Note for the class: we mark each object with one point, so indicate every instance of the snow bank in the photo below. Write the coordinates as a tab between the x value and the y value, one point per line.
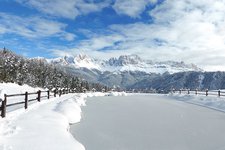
212	102
70	109
80	100
91	94
2	95
43	125
12	88
117	94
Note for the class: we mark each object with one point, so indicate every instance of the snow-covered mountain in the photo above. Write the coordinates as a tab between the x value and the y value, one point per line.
128	72
79	61
124	63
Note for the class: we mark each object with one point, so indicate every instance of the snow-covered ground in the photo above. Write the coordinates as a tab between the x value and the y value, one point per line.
172	122
149	122
38	128
12	88
213	102
44	125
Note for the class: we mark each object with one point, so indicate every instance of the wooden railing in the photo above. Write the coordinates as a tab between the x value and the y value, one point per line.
206	92
39	96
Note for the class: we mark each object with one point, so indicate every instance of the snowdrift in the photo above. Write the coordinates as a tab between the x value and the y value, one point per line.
117	94
12	88
213	102
46	122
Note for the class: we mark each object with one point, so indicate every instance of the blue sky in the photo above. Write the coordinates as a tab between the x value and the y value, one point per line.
73	26
184	30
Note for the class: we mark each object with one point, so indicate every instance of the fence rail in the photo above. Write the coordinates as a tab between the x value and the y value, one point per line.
40	95
206	92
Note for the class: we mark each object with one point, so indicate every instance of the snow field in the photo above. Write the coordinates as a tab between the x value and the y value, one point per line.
12	88
213	102
43	125
149	122
2	94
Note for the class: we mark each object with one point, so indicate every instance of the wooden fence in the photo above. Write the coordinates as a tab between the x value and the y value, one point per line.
206	92
39	96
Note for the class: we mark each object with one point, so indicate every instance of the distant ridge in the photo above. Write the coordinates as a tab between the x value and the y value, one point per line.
124	63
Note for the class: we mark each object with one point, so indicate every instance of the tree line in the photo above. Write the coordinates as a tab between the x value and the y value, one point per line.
37	72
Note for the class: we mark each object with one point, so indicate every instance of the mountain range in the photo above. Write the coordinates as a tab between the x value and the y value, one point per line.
126	72
123	63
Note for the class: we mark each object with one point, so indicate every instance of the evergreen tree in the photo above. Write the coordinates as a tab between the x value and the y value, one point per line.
38	73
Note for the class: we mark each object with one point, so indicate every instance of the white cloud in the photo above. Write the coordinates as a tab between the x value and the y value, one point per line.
72	8
184	30
60	8
86	8
100	42
198	27
60	53
33	27
69	36
64	8
132	8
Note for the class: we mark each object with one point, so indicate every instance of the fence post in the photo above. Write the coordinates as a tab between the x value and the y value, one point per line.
48	92
26	100
3	113
206	92
39	96
219	93
180	91
173	90
196	91
60	93
188	91
55	93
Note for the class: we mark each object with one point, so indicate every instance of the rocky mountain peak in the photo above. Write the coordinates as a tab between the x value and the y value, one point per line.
130	59
125	63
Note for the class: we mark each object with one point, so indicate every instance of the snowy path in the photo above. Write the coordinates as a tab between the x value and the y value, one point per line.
149	123
41	127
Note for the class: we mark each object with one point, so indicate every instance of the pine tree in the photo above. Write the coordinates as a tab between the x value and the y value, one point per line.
38	73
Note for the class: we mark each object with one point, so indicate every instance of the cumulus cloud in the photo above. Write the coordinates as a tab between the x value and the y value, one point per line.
197	26
72	8
33	27
184	30
68	36
53	7
132	8
65	8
